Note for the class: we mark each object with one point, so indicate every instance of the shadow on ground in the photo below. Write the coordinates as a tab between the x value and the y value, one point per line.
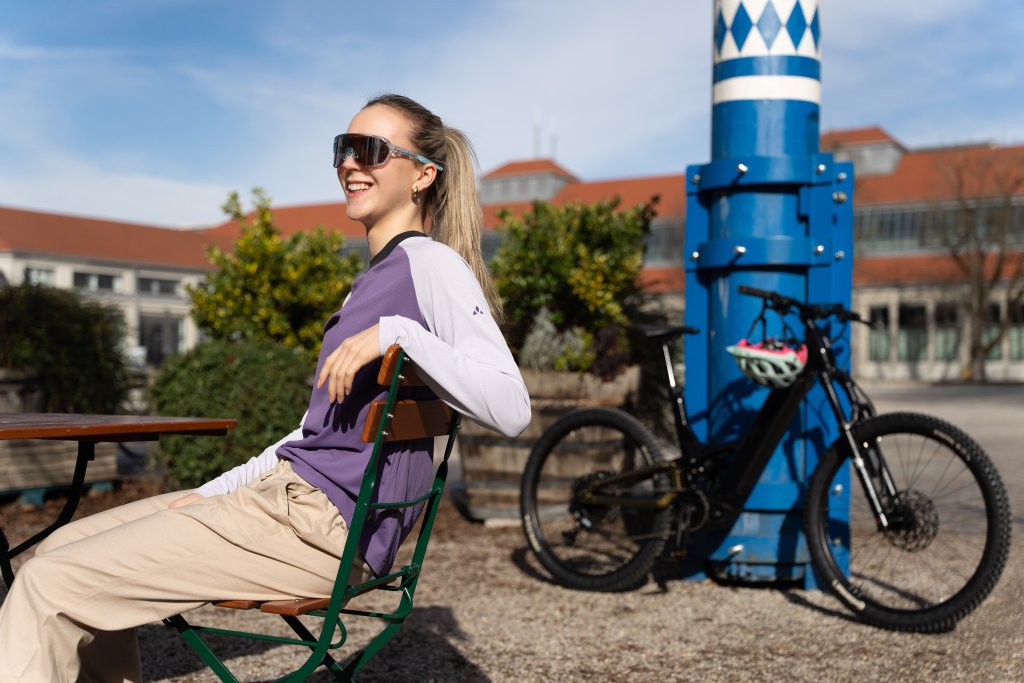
424	644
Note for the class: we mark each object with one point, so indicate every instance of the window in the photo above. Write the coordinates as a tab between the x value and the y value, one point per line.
878	336
991	331
161	336
1016	332
489	243
664	245
912	337
156	287
39	276
96	282
947	332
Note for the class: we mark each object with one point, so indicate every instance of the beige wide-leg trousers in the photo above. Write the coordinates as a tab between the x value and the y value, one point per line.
72	609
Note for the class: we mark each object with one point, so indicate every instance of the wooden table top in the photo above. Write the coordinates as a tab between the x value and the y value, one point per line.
74	427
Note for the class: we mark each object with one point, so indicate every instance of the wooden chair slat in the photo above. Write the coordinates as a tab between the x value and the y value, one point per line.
410	376
410	420
296	607
237	604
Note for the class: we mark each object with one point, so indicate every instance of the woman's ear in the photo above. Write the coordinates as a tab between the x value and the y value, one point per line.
426	177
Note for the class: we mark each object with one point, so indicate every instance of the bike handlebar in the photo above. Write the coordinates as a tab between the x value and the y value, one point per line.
784	304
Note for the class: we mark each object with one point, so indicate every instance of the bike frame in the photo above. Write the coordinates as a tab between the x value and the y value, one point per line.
758	442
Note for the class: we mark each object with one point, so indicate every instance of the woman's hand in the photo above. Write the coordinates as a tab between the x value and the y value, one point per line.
185	500
341	366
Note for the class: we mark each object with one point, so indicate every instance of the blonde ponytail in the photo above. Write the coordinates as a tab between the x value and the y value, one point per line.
451	201
457	219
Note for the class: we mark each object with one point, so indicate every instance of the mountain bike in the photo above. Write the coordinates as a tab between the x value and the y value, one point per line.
906	519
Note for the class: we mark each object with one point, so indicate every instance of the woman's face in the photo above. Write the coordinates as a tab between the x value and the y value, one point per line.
374	194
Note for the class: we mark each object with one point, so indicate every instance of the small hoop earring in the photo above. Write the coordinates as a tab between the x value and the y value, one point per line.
415	192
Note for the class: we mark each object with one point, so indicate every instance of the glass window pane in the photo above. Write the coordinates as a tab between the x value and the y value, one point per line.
878	336
947	332
161	336
912	334
1016	332
39	276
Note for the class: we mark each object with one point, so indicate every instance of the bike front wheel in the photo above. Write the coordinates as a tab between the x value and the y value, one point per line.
948	527
588	500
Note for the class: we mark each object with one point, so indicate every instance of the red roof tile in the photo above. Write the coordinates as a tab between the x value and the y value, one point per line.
293	219
670	189
35	232
530	167
907	269
946	174
854	136
662	280
491	220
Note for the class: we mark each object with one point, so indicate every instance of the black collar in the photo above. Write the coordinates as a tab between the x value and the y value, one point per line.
390	246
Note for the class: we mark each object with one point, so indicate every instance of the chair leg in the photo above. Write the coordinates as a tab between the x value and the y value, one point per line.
201	648
327	661
360	658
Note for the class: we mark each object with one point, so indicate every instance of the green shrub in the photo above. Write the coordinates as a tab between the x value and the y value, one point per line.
262	384
545	348
270	287
579	264
73	344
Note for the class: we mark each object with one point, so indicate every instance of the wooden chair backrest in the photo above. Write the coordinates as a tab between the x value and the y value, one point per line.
408	419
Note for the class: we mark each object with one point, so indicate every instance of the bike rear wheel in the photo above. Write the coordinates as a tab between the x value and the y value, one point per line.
949	534
588	545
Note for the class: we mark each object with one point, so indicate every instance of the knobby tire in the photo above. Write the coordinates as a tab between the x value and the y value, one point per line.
950	537
594	547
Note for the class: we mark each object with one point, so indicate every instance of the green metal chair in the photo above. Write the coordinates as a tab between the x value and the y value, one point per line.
388	420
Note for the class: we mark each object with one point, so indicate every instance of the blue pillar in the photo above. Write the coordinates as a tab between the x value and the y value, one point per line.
769	211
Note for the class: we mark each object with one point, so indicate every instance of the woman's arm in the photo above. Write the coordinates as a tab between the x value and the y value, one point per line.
463	356
471	377
244	473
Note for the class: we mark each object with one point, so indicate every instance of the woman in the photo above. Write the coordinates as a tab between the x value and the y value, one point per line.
275	526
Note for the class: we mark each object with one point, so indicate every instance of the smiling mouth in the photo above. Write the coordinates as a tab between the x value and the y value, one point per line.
351	188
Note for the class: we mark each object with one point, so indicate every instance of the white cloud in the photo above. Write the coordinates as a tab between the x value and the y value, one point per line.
624	88
609	81
77	188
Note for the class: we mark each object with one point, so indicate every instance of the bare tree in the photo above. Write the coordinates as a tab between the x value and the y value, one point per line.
984	236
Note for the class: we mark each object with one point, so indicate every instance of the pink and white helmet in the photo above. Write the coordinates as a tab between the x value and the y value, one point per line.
770	363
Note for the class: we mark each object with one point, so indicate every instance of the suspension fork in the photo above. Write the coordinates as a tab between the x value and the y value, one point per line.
865	409
859	464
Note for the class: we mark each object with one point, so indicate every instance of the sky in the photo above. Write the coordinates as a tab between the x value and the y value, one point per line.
152	111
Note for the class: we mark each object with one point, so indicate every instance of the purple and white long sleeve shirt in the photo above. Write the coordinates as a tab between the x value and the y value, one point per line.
425	298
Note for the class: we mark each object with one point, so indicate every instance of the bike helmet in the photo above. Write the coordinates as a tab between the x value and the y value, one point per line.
770	363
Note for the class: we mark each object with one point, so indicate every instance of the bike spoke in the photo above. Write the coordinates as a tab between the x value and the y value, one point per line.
937	530
590	501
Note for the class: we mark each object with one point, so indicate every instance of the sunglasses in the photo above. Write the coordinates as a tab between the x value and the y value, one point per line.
371	151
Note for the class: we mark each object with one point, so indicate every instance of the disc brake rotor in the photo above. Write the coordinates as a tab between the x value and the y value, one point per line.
914	524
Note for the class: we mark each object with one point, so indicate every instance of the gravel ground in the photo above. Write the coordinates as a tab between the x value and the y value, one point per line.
486	611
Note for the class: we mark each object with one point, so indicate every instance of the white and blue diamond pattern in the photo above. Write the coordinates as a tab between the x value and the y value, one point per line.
762	28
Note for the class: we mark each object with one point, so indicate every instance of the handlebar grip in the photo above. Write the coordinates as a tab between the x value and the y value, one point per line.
754	291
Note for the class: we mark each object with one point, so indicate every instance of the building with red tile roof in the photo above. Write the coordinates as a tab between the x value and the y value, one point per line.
142	270
902	276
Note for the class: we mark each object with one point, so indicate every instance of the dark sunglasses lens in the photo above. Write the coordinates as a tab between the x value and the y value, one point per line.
367	150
